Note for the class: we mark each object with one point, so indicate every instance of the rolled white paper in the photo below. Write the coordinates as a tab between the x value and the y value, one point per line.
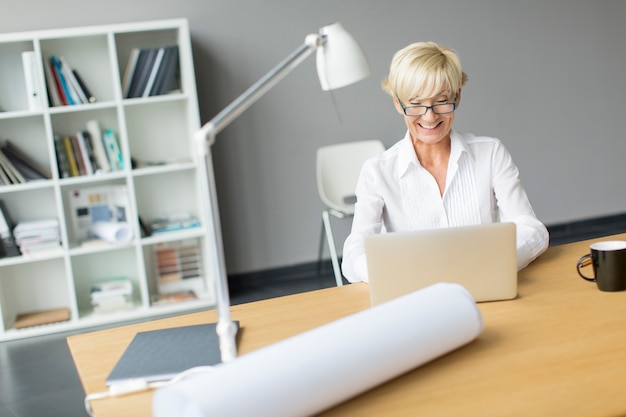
323	367
112	232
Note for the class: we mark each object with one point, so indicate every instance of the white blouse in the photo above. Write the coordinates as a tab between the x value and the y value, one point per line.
482	186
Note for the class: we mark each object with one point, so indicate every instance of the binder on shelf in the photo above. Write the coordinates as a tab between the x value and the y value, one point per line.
7	240
34	89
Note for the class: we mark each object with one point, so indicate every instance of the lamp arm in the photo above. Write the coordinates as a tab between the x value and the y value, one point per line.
205	138
262	86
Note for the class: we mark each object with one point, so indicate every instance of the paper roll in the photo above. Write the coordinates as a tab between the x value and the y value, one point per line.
318	369
112	232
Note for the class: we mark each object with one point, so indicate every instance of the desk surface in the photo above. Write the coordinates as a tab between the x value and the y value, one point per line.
559	349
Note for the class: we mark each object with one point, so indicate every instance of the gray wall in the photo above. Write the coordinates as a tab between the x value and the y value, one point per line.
547	77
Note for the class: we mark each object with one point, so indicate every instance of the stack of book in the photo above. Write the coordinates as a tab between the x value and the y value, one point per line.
151	72
37	236
112	295
17	167
65	85
88	152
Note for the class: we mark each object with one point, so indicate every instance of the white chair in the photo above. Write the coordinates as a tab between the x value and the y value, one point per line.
337	170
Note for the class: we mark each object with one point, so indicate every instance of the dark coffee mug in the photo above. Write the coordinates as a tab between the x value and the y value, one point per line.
609	265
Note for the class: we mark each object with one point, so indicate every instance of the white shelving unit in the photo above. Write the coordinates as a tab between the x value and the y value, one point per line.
157	128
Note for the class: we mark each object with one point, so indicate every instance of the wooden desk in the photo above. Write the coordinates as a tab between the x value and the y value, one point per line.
559	349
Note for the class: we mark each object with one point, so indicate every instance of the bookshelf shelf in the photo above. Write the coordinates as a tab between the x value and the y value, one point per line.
158	171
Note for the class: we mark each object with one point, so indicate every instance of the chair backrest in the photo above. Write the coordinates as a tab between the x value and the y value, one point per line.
338	168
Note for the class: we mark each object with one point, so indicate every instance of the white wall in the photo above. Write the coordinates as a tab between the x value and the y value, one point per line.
547	77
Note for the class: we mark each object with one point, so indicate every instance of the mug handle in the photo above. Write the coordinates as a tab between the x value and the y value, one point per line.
582	262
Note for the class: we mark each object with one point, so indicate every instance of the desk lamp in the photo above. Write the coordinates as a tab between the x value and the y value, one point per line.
340	62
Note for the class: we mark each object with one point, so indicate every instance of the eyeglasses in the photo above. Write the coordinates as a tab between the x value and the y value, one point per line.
443	108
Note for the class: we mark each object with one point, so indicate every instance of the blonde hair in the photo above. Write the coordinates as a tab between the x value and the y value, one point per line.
424	69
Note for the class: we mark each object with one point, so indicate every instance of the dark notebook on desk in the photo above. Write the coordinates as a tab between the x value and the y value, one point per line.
159	355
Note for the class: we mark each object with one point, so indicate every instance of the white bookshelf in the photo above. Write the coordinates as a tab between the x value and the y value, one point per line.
156	128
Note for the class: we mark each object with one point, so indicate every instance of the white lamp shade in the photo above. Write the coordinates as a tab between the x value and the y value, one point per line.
340	61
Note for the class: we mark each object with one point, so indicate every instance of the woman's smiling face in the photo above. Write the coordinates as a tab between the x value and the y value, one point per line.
430	128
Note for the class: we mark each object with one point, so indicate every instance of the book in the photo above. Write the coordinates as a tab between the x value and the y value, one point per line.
161	299
143	70
167	72
51	87
27	172
35	236
51	69
85	153
129	71
4	178
90	152
65	87
114	154
34	89
173	222
7	240
102	160
77	155
62	164
71	159
153	72
11	171
83	87
114	293
77	94
15	153
38	318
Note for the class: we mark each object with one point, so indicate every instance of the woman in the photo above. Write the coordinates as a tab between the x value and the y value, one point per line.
435	176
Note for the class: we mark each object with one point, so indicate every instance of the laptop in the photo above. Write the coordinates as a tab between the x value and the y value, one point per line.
482	258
